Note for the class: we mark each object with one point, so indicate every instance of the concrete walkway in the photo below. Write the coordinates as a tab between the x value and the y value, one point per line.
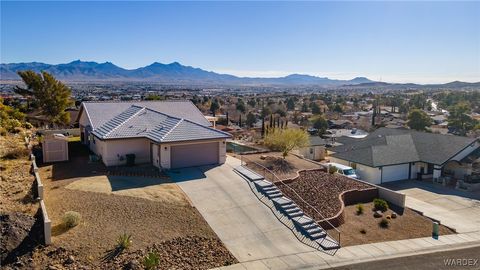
456	209
362	253
247	227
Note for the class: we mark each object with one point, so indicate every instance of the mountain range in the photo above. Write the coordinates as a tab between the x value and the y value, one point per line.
158	72
176	73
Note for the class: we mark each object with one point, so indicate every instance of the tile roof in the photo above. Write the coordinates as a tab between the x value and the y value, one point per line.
396	146
99	112
142	122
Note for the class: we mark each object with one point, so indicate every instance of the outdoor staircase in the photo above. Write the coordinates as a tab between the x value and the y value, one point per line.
305	225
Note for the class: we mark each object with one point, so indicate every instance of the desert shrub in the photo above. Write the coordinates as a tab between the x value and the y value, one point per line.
27	125
124	241
332	169
384	223
71	219
363	231
359	209
3	131
151	261
380	204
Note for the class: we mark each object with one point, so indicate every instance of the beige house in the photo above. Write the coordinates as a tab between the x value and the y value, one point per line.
167	134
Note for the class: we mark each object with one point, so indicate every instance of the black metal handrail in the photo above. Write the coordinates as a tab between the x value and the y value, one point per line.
243	160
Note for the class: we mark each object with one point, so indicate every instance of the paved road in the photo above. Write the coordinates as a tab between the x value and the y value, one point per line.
434	261
246	226
454	208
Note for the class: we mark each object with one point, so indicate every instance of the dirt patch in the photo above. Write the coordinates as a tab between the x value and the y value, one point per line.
283	168
16	182
406	226
321	190
154	189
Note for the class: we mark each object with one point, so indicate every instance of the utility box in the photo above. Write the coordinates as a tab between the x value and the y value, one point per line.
55	148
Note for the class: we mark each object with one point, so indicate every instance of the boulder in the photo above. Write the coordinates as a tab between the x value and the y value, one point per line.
378	214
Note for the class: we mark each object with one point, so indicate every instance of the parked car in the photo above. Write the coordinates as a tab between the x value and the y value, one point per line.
345	170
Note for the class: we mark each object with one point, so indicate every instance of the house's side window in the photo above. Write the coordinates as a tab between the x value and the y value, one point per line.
311	151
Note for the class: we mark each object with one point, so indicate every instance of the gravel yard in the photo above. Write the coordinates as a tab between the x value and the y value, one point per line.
284	168
408	225
157	215
321	190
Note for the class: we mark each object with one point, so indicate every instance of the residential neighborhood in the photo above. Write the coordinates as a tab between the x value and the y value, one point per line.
286	138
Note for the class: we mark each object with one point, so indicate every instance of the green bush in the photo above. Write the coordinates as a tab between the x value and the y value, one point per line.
332	169
124	241
27	125
151	261
384	223
71	219
359	209
380	204
3	131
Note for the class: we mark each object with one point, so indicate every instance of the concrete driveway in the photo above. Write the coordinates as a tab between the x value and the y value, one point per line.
454	208
245	225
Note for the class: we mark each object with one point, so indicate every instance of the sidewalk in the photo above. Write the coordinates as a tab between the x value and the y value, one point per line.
362	253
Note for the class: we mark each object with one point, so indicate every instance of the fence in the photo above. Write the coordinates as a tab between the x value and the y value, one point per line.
39	193
272	177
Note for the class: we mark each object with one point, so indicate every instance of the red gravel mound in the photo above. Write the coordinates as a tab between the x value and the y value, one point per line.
321	190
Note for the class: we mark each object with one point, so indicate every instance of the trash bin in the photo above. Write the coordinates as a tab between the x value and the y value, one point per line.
130	159
435	229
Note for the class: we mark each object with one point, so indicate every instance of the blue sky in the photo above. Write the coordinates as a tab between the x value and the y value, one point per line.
393	41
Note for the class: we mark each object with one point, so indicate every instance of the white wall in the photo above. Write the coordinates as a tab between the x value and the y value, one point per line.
115	148
368	174
316	152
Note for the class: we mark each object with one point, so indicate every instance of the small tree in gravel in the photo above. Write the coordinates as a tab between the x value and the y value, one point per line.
359	209
285	140
151	261
124	241
71	219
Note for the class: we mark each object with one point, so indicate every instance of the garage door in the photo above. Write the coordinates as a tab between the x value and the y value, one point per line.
394	173
191	155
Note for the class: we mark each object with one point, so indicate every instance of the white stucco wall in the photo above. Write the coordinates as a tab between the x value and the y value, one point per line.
368	174
116	148
316	152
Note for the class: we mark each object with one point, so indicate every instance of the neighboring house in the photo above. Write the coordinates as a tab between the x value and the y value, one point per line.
399	154
316	150
167	134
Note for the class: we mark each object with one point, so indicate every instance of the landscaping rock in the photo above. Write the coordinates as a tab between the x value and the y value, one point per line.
321	190
263	157
378	214
394	215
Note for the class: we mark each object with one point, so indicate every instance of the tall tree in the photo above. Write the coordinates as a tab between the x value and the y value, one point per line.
321	124
418	120
285	140
460	119
214	107
251	119
53	96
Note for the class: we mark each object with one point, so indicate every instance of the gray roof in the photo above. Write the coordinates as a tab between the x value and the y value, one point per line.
142	122
99	112
396	146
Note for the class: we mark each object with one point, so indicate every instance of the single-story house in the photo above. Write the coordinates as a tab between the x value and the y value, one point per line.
398	154
167	134
316	149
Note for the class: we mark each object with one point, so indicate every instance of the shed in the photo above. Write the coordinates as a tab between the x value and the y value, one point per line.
55	148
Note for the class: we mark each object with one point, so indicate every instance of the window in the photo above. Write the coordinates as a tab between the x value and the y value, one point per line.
311	151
